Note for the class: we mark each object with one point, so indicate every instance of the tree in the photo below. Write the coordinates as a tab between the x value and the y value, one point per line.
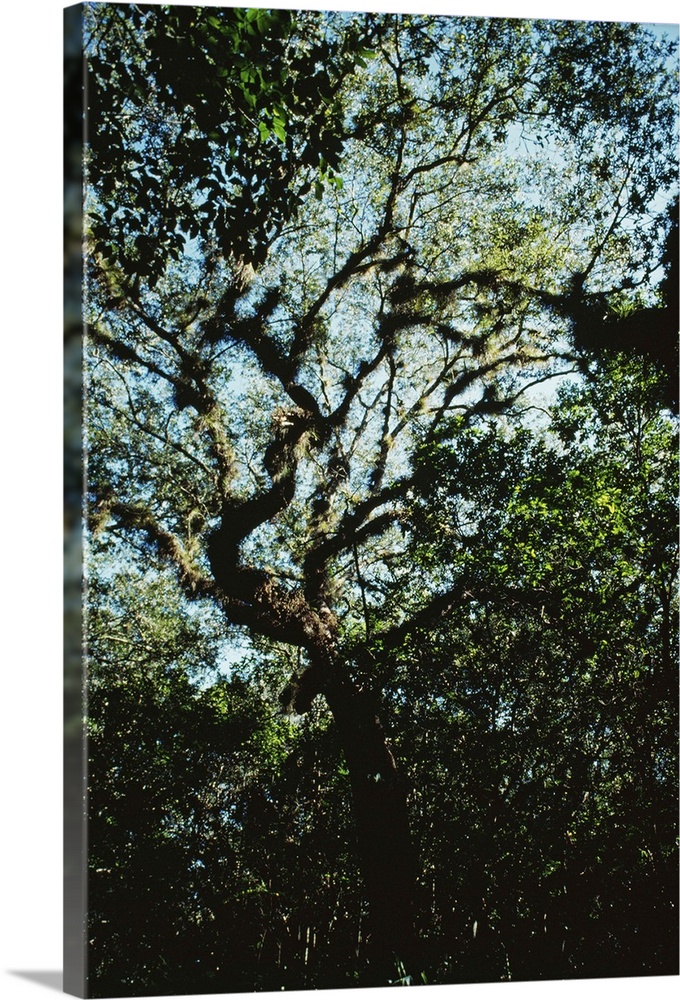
305	259
211	845
623	323
551	694
210	122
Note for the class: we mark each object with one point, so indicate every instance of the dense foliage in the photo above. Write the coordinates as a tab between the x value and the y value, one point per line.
381	499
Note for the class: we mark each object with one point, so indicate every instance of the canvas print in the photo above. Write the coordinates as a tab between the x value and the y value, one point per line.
379	343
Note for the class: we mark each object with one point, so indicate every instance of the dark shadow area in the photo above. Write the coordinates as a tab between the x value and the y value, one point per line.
50	980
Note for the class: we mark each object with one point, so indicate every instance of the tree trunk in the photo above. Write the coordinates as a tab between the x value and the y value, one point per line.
384	839
253	598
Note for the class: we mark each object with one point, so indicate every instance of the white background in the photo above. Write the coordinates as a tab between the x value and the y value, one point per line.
30	490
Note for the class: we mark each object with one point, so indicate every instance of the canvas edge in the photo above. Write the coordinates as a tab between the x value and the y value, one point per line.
74	749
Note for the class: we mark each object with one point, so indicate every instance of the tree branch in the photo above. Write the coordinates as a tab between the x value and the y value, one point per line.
137	518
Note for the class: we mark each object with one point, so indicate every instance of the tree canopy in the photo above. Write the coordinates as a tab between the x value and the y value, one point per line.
380	361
